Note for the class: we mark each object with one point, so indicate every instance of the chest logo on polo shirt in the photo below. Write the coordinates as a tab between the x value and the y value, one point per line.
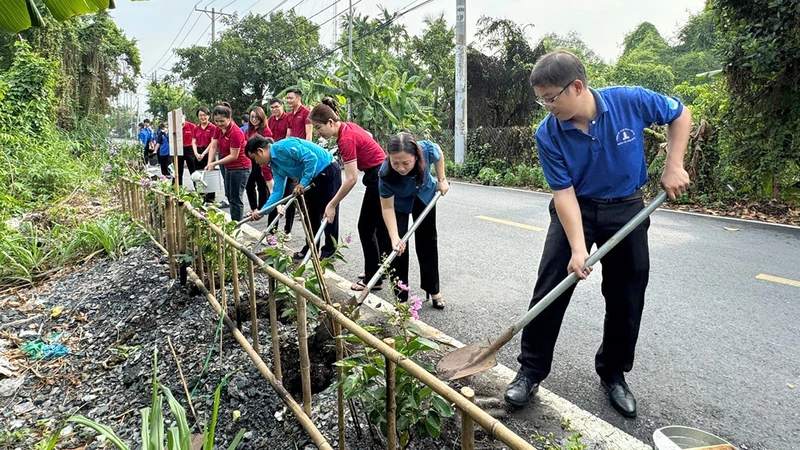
625	136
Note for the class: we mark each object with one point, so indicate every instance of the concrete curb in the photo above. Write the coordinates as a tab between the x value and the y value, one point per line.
591	427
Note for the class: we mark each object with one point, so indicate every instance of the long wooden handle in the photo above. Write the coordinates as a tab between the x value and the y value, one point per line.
715	447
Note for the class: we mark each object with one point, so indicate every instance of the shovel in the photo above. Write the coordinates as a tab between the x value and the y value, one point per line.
481	356
268	208
393	255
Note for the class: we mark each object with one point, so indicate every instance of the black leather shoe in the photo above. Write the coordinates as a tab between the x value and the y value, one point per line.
621	397
520	390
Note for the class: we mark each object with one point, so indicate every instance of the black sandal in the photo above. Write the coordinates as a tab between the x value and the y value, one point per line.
437	303
298	255
360	286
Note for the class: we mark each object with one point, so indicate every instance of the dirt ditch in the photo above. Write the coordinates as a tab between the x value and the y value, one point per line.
110	315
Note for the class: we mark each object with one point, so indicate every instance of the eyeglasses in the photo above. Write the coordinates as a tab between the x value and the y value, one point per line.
543	102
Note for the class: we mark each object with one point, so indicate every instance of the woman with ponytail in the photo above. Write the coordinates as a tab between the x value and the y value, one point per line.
359	152
229	140
406	187
259	183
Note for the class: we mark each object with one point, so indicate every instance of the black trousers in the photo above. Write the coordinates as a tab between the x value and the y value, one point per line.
289	217
426	246
163	161
372	232
326	184
626	271
256	188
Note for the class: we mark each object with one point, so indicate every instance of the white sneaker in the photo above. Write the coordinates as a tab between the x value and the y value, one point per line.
287	237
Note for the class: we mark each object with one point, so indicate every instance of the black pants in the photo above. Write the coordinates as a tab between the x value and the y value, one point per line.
372	233
626	270
289	217
426	246
256	188
201	164
326	184
163	161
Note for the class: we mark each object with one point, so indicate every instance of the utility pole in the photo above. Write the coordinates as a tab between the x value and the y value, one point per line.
213	15
350	56
461	80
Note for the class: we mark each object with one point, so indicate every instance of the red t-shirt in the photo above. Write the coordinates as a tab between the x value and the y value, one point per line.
203	135
266	171
232	138
356	144
298	121
188	131
279	125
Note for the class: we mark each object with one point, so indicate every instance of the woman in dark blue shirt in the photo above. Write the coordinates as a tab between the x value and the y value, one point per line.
406	186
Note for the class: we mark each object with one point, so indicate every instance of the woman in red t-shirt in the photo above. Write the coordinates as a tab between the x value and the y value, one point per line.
229	140
201	139
359	152
259	184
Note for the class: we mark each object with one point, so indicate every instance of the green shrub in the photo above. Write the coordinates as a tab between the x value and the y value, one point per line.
489	176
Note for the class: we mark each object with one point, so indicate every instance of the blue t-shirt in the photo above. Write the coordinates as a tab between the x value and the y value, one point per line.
162	138
608	161
145	136
405	188
295	158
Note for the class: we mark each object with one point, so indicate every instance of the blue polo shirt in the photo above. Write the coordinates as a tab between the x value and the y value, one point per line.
295	158
145	136
608	161
405	188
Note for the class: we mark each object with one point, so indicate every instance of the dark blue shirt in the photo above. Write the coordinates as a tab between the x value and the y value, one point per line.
608	161
145	136
162	138
405	188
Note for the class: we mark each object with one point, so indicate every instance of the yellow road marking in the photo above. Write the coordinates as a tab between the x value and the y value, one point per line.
763	276
513	224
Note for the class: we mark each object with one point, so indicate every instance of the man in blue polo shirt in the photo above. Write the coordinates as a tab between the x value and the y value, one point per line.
591	148
304	160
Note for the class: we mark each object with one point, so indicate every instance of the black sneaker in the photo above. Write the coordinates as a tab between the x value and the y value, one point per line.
519	391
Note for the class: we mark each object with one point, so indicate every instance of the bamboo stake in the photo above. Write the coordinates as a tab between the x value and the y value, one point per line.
253	307
121	188
391	404
183	380
308	425
302	338
306	221
273	329
236	295
199	249
337	331
180	219
467	424
223	298
170	225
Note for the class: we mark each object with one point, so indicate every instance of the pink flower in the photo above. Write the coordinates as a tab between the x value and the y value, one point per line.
348	239
402	286
416	305
107	168
272	240
144	181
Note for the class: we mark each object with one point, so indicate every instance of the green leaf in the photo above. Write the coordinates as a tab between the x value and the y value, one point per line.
100	428
237	439
179	414
432	424
441	406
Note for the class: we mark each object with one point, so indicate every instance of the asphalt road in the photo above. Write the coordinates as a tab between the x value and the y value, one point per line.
719	348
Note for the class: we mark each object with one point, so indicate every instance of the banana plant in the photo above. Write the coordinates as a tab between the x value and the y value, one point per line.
23	14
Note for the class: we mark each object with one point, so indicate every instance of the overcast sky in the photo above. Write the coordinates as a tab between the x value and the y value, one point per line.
601	23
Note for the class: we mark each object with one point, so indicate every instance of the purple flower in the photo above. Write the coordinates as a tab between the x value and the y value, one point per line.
348	239
402	286
107	168
416	305
112	151
163	177
272	240
144	181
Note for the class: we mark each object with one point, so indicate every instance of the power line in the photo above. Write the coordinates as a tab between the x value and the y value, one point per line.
378	28
184	39
170	45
